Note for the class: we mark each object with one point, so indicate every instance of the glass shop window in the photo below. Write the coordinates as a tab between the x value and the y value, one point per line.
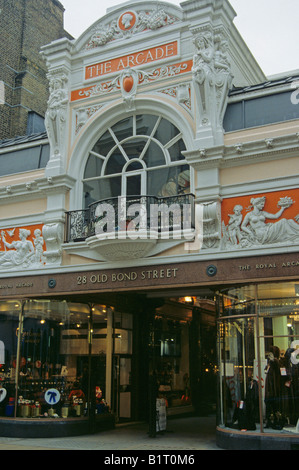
258	339
54	359
238	369
9	325
53	339
279	346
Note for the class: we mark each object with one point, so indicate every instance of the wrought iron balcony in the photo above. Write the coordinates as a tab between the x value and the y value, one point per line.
132	214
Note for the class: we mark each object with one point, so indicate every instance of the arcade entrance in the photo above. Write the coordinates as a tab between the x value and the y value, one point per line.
182	354
163	347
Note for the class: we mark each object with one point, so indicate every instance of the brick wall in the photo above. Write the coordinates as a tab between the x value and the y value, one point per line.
25	26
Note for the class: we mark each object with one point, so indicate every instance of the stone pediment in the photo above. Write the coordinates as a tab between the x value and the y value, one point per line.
126	21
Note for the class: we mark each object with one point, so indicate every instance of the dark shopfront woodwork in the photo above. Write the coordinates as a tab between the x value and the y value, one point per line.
145	278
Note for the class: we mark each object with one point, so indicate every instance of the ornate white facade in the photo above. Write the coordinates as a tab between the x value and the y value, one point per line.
179	64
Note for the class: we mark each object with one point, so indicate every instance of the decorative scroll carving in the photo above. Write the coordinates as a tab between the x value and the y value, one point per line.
141	78
84	114
181	92
253	230
212	79
53	235
130	23
211	225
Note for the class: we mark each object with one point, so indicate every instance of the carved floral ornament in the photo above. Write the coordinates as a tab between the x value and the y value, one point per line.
253	226
127	82
129	23
138	77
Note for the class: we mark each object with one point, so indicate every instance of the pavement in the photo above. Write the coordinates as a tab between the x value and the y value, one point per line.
190	434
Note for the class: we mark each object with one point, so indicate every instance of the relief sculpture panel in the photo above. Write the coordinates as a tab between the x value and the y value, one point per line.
28	247
260	220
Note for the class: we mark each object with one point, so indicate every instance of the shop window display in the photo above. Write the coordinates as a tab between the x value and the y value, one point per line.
258	333
9	324
46	359
170	361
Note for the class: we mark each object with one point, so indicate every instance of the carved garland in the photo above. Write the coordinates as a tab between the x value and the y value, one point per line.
136	23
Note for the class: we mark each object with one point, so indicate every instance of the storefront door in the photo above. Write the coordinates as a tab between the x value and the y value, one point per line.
121	386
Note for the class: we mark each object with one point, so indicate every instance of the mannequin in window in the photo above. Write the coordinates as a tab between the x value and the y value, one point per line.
252	403
272	387
287	387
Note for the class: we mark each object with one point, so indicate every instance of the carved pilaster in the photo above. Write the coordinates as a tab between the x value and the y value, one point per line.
56	120
212	80
53	236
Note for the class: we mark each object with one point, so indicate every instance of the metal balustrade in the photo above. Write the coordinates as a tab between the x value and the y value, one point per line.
161	214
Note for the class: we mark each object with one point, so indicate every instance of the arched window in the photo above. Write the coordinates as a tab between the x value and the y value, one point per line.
139	155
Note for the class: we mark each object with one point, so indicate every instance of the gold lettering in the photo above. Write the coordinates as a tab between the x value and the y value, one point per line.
100	278
265	266
24	284
288	264
120	277
244	268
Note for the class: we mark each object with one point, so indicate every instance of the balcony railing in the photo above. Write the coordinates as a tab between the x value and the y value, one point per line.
132	213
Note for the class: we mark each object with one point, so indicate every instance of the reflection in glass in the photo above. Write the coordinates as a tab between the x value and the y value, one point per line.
259	357
123	128
238	365
145	124
166	132
9	329
48	359
151	139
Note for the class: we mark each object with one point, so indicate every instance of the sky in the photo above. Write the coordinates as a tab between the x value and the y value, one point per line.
269	27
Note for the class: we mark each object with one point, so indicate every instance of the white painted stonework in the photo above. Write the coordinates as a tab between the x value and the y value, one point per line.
177	63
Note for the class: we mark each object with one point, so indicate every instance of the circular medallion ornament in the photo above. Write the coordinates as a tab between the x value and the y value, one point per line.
211	270
52	283
127	21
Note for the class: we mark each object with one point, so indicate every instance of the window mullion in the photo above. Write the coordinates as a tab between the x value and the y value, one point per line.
144	149
119	145
173	141
97	155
